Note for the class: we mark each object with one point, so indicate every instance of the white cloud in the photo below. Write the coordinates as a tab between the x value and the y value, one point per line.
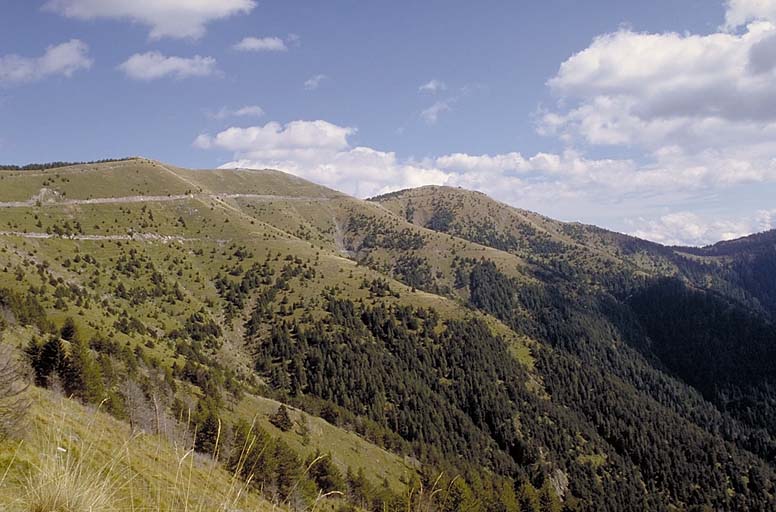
261	44
432	113
433	86
558	184
314	82
320	151
153	65
296	135
741	12
62	59
650	90
510	162
688	228
697	111
246	111
166	18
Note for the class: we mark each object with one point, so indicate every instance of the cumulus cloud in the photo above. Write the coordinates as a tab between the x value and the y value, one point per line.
314	82
688	228
321	151
296	135
166	18
741	12
154	65
433	86
62	59
261	44
559	184
650	90
697	111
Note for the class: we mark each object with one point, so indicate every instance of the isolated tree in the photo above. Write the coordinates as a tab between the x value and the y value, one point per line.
288	469
325	473
69	330
281	419
14	402
360	491
208	425
136	406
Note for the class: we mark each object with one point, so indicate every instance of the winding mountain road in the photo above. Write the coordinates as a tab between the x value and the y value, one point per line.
154	199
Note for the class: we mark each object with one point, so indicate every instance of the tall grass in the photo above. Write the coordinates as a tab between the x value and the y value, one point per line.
80	463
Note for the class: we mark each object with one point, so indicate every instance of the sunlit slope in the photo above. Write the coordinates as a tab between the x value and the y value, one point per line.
435	329
99	454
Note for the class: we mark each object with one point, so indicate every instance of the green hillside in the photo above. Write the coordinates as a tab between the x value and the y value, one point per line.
433	349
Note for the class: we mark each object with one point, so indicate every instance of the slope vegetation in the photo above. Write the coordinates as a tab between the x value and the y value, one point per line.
428	339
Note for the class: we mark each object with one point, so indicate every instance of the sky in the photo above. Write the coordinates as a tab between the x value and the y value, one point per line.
655	118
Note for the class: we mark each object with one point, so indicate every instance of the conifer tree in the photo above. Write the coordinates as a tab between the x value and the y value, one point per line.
208	427
507	499
69	331
281	419
46	359
528	498
83	377
548	500
459	497
324	473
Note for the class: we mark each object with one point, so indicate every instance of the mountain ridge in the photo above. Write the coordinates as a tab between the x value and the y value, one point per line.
450	329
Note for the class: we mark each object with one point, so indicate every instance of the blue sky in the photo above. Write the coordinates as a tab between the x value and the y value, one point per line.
653	118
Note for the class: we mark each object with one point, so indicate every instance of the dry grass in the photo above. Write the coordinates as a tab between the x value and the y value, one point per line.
63	483
79	460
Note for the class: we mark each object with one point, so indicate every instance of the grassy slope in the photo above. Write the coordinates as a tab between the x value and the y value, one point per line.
203	230
285	217
582	253
528	233
144	473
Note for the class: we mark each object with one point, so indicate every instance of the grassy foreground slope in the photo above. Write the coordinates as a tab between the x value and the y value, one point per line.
91	459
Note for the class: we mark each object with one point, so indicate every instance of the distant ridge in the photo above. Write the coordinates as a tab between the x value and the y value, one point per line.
57	164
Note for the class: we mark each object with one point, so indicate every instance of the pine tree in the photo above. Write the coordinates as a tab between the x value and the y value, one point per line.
281	419
83	377
46	359
507	499
360	491
548	499
289	469
528	498
324	473
459	498
69	330
208	427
